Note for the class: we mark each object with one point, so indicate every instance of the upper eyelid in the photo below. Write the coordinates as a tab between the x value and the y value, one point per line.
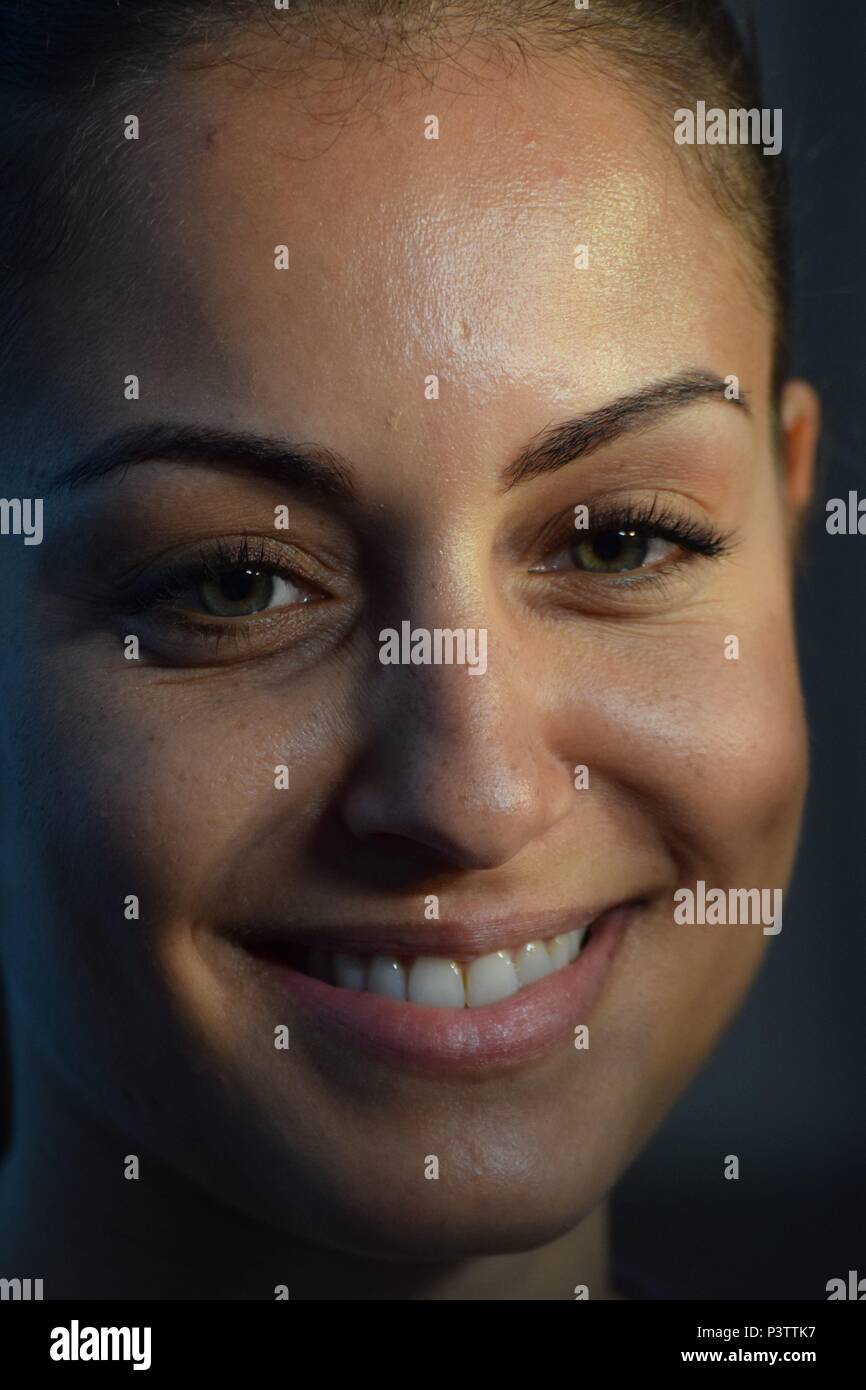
561	525
274	551
220	551
171	580
664	523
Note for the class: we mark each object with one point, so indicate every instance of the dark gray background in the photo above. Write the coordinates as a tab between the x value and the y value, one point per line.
785	1090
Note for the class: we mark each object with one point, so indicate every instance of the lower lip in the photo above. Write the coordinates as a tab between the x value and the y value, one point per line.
525	1026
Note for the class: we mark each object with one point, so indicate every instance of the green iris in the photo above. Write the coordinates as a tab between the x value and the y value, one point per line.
237	593
607	552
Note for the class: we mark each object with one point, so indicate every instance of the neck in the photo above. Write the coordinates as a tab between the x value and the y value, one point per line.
69	1217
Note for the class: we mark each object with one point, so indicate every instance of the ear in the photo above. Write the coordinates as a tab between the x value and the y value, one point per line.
801	422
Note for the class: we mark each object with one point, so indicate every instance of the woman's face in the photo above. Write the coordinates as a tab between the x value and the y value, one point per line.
411	261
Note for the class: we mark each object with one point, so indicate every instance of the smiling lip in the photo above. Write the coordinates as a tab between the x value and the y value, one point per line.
443	1040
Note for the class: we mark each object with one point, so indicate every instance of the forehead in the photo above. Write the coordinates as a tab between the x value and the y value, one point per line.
410	255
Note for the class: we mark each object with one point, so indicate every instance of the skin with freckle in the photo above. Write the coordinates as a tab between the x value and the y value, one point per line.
408	257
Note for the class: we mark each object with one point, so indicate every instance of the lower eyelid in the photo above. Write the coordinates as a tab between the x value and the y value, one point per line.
184	630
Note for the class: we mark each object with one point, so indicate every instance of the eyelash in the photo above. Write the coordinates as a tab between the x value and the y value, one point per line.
210	563
651	520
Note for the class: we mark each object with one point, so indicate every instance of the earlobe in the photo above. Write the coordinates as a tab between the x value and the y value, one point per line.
801	421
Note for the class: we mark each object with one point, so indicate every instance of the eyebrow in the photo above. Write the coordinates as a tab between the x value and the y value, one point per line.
323	473
562	444
317	470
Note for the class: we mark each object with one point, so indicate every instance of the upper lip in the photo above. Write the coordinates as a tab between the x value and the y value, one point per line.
456	937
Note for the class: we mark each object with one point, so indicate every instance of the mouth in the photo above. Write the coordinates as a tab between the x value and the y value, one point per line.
433	981
503	994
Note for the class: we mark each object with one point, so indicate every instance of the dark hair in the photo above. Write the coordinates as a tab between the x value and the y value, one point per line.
65	66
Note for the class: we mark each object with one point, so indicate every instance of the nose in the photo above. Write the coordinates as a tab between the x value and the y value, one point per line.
456	764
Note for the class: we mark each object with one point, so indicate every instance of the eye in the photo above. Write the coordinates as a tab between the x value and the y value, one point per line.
615	551
631	538
228	580
238	599
242	592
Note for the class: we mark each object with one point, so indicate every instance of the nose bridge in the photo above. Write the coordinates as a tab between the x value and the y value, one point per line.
438	660
455	713
456	757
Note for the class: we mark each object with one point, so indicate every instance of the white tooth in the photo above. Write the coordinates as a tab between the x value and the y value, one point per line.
558	951
575	941
319	965
350	971
436	982
532	963
387	977
490	978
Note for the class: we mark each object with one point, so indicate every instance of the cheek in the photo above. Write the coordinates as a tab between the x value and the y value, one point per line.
721	758
163	790
695	731
130	786
697	754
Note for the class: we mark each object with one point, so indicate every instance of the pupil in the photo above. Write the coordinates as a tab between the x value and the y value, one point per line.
609	545
237	585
